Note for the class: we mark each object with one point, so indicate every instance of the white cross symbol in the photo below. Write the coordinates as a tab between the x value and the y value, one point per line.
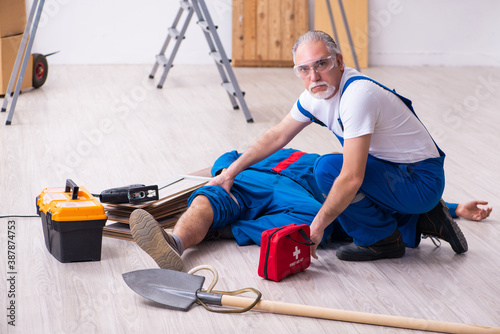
296	253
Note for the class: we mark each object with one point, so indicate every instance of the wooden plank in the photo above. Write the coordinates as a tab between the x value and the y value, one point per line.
301	18
270	28
250	33
277	23
238	31
288	29
262	33
357	17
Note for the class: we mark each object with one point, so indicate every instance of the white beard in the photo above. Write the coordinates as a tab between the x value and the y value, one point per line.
323	94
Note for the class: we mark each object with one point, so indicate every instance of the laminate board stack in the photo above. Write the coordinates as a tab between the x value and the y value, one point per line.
167	209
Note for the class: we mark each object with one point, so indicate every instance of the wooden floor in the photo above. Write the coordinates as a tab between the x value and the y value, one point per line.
108	126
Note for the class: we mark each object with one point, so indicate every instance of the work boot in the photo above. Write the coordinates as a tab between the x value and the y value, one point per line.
388	248
438	223
153	239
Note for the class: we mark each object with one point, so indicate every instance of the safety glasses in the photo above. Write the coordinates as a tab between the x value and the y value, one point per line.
321	65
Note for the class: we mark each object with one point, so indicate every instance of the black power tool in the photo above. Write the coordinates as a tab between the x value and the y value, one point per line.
134	193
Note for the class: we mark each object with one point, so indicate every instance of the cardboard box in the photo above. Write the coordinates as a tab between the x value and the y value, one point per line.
12	17
72	224
8	53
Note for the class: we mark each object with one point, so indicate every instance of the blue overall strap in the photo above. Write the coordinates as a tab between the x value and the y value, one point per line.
406	101
308	114
317	121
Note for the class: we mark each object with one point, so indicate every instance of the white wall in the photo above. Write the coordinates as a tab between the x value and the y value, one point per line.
434	32
122	31
401	32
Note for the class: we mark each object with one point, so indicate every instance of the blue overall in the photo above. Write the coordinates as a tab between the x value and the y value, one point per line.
395	194
277	191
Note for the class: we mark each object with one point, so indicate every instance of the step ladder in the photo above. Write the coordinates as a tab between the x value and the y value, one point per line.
229	82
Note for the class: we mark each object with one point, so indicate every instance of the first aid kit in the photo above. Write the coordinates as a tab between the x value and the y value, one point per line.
284	251
72	221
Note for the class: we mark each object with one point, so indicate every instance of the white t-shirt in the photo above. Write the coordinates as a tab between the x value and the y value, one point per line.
366	108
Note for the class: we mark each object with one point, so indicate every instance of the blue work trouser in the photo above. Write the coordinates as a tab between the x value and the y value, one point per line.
394	197
265	201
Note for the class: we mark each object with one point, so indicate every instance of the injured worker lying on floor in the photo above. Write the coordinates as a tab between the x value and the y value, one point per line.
277	191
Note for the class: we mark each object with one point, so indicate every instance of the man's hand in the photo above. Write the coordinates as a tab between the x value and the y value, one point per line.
316	235
222	180
471	210
344	188
316	239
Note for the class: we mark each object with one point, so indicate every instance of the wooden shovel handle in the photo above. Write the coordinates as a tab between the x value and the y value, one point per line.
357	317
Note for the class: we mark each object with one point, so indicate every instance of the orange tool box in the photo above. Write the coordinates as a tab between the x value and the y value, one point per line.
72	222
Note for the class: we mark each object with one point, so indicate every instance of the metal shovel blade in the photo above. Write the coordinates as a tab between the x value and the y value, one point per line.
168	287
172	288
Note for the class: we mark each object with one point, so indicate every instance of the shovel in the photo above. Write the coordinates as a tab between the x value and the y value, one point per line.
180	291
